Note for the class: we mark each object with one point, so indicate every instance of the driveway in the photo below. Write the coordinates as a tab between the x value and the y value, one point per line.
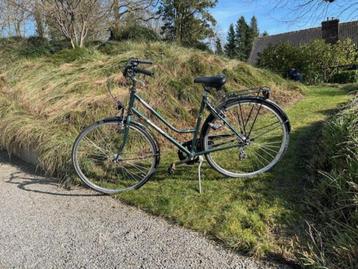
45	226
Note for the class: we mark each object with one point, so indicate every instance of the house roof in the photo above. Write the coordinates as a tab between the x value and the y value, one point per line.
346	30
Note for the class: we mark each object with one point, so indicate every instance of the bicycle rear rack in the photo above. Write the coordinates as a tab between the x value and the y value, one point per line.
261	91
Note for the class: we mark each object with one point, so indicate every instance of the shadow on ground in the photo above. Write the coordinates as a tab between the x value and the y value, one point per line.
27	178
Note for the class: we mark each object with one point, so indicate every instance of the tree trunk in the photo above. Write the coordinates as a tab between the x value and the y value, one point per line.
72	43
39	20
117	18
83	34
18	29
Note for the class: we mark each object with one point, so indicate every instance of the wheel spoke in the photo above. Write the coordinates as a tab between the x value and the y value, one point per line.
252	125
263	133
242	119
269	125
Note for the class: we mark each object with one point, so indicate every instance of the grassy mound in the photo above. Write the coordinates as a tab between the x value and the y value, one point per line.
48	94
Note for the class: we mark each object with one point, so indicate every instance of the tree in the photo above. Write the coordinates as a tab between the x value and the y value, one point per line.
13	15
40	31
242	39
254	27
76	20
187	22
252	33
230	46
301	10
132	11
3	23
219	49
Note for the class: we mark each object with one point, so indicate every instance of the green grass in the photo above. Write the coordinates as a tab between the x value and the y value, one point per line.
259	216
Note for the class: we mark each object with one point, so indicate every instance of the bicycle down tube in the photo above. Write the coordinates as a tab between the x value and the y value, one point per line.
195	131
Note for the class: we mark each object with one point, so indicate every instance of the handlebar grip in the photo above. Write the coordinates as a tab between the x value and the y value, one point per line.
144	72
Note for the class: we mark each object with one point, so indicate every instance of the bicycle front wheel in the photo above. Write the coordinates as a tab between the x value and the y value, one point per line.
110	161
265	127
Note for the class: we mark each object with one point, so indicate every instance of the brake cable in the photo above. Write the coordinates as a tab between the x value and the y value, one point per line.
119	105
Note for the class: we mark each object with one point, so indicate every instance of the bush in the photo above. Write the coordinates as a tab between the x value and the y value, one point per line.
136	32
281	58
71	55
345	77
332	203
35	47
315	60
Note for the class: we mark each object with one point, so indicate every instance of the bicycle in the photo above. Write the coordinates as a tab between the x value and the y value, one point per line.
245	135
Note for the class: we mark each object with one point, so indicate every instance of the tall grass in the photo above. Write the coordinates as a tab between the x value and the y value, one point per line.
332	202
49	94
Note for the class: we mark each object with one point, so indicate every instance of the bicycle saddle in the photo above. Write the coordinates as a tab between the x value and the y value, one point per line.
212	82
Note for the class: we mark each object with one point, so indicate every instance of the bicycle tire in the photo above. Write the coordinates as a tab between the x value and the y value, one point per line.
261	102
102	158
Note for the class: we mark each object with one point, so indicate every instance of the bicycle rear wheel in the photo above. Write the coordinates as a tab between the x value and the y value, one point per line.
261	122
107	162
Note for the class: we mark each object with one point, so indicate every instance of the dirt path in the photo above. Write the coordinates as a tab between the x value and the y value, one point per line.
45	226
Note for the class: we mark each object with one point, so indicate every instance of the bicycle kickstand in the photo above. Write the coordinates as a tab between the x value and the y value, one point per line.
201	160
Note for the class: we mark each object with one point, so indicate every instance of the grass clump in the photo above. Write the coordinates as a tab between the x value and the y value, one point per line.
332	235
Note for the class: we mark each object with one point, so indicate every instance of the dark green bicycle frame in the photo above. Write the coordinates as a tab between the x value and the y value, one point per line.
205	104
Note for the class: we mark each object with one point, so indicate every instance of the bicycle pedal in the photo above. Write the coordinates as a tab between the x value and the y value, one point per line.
171	169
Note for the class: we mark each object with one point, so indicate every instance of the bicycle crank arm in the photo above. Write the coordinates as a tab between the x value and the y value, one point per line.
172	166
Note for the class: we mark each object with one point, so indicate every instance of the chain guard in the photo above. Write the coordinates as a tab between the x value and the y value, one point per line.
182	156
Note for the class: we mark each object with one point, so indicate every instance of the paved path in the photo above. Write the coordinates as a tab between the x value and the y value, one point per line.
45	226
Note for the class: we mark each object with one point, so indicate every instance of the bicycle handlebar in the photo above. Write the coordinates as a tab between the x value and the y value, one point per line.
136	61
143	61
132	69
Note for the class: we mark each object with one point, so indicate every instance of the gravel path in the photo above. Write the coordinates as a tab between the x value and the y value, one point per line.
45	226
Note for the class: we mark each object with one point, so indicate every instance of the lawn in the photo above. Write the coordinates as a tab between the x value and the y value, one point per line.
258	216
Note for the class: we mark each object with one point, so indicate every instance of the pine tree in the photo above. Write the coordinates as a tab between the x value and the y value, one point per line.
254	28
219	48
242	38
187	22
245	36
230	46
253	33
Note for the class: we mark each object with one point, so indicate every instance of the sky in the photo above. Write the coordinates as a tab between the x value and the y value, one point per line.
276	16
